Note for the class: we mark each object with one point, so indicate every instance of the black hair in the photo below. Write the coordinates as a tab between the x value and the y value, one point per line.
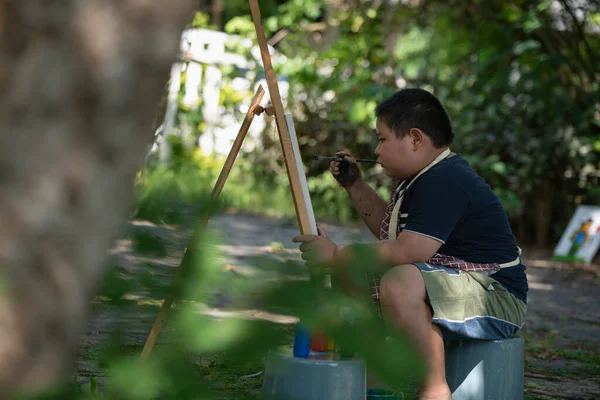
416	108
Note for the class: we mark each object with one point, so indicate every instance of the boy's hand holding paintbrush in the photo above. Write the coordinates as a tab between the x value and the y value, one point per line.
358	160
344	169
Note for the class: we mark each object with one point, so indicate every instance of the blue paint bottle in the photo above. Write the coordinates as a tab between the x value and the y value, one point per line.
302	341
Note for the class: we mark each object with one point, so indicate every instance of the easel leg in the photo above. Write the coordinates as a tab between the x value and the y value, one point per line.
237	144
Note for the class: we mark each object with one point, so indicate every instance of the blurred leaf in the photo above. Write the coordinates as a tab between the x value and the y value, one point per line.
522	47
394	362
241	25
137	379
499	167
205	335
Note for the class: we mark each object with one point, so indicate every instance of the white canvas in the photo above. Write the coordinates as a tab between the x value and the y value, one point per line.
581	239
303	183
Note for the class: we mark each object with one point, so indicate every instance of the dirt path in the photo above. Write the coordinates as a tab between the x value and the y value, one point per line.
562	332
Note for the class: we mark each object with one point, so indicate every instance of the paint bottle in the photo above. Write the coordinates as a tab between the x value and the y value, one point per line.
318	342
330	344
302	341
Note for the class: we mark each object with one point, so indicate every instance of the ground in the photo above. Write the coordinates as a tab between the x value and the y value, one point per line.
562	330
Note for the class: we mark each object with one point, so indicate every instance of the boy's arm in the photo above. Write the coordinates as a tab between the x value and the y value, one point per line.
409	248
367	202
436	207
369	205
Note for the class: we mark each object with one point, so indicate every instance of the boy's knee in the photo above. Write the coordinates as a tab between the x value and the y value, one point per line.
388	287
401	284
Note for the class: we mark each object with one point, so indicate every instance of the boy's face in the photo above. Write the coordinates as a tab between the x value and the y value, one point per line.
396	155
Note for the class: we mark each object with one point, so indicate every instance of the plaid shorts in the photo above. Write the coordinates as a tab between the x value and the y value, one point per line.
465	304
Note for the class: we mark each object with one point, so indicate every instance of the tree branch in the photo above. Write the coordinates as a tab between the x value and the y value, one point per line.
580	31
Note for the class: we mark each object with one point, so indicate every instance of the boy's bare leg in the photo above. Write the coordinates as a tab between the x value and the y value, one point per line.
405	308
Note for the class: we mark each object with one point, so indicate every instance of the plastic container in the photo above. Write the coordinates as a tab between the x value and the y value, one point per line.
313	378
486	369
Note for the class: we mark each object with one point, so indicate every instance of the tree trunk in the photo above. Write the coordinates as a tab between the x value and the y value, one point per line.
79	86
217	14
543	217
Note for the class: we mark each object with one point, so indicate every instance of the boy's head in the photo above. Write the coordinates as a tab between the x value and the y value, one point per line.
412	127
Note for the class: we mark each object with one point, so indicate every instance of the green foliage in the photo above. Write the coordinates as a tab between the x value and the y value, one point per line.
518	78
240	25
523	111
329	199
498	175
173	194
201	21
522	93
163	192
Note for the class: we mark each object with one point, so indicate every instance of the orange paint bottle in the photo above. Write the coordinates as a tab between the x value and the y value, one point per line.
318	342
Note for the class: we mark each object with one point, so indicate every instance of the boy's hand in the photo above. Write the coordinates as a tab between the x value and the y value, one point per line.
345	172
316	249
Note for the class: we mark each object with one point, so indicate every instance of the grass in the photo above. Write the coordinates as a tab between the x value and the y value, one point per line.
530	396
586	358
224	378
542	348
570	259
590	361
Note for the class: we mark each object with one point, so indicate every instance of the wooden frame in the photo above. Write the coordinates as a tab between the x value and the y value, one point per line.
254	109
293	162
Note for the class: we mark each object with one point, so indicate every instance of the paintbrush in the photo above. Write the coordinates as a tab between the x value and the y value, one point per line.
361	160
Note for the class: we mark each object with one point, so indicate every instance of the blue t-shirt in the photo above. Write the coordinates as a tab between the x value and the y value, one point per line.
454	205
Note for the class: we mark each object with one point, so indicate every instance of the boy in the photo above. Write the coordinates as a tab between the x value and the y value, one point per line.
456	268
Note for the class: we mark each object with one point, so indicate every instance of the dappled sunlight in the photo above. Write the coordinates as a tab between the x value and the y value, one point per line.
251	314
540	286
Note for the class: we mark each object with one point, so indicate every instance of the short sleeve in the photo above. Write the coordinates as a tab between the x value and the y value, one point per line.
437	204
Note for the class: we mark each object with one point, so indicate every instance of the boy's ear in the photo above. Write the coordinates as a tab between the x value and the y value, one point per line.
416	137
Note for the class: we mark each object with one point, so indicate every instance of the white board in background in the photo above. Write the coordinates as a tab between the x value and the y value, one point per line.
581	240
302	175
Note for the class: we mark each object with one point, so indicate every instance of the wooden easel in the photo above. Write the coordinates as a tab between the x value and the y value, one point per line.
293	163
